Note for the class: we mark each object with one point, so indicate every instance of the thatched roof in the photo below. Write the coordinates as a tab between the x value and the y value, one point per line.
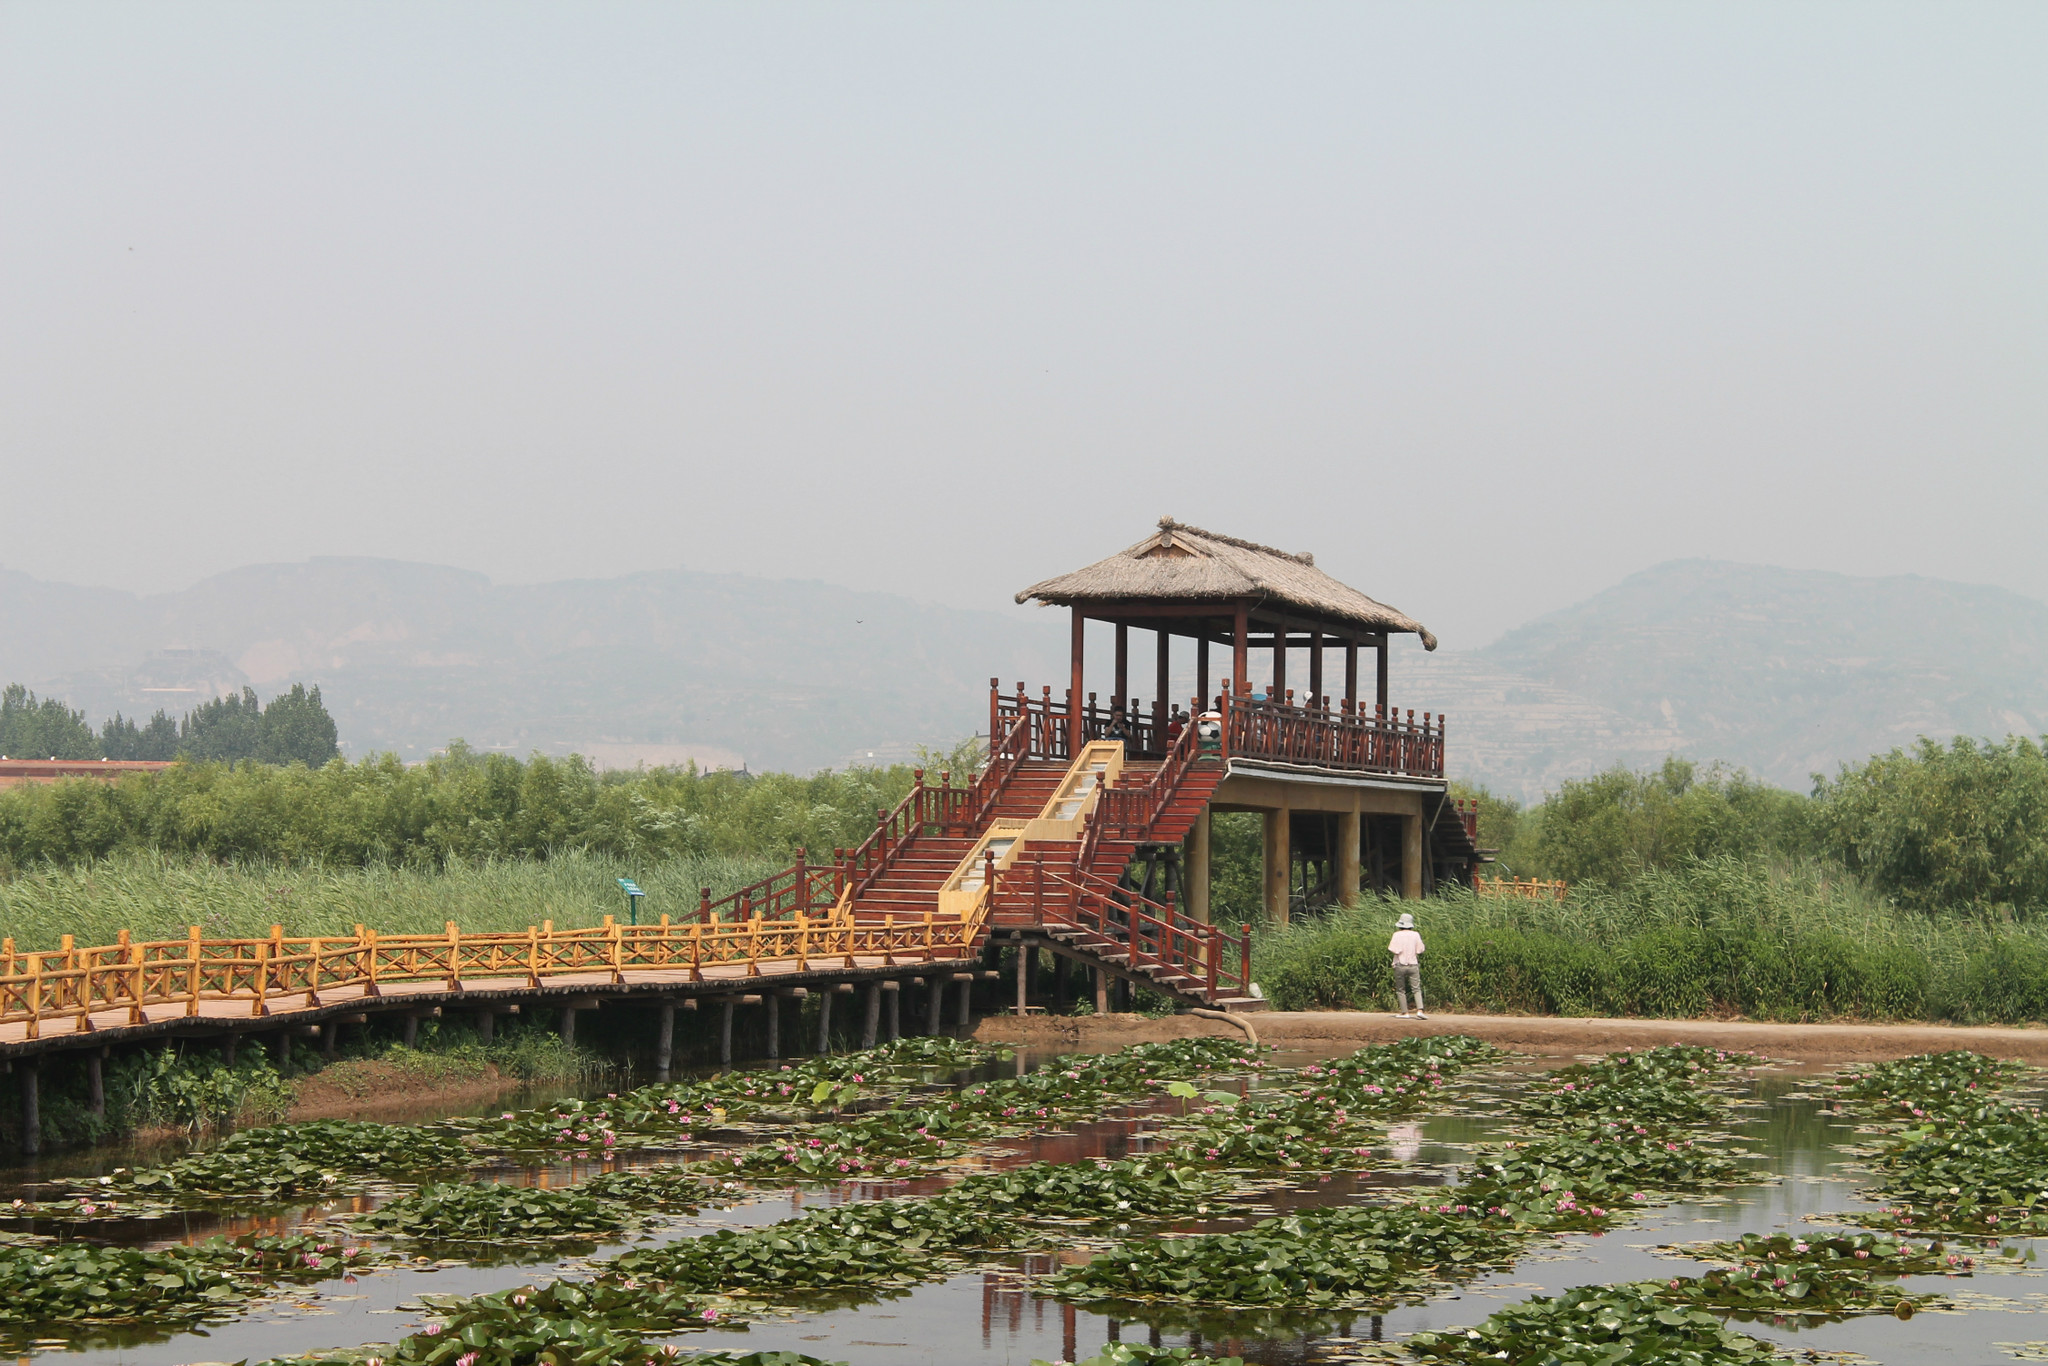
1182	563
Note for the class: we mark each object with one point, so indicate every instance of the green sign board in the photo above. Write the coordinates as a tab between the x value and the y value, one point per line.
630	887
633	895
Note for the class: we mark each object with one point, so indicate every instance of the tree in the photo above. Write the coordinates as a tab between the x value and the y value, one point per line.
121	738
43	729
228	728
1614	825
1961	825
296	729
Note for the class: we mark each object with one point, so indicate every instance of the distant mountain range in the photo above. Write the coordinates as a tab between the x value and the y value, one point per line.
659	667
1784	672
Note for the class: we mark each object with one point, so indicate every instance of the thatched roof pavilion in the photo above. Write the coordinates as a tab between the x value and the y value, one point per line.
1184	581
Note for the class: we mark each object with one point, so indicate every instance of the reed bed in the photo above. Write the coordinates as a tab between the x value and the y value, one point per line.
158	896
1724	937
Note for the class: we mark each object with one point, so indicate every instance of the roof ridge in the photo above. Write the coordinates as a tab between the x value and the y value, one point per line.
1168	524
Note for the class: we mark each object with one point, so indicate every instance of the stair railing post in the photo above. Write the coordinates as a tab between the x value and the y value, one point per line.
191	970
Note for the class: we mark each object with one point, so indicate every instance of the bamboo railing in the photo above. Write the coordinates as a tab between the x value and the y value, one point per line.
278	974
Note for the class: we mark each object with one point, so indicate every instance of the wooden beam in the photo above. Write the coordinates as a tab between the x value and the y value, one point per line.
1164	657
1123	667
1074	696
1240	661
1202	672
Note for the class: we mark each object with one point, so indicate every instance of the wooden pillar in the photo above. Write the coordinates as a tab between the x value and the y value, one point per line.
1164	651
825	1021
1347	855
1278	692
29	1075
1276	865
1350	675
569	1025
1315	669
1382	664
1075	738
774	1004
1411	857
1122	696
871	1025
726	1008
665	1041
893	992
1241	653
1203	700
96	1080
1198	868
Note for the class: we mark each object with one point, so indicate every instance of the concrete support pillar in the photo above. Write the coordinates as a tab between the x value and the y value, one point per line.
665	1040
1277	865
1101	992
1347	856
935	1004
229	1046
893	993
29	1074
966	981
825	1021
96	1080
569	1025
1411	857
774	1004
726	1008
411	1034
1023	978
872	1025
281	1046
330	1039
1197	894
487	1025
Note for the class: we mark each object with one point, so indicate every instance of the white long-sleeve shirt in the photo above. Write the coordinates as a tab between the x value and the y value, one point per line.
1406	946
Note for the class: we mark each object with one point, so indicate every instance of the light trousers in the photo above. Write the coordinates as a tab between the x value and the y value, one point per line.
1407	981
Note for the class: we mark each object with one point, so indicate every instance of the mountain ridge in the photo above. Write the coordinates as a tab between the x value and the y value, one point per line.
1784	672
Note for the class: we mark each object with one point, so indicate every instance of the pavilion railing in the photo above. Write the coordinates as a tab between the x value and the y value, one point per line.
1317	733
1319	737
279	974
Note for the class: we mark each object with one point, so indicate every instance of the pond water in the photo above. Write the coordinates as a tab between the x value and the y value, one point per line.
993	1318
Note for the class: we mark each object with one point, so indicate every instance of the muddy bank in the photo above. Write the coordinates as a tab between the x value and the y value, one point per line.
374	1089
1833	1042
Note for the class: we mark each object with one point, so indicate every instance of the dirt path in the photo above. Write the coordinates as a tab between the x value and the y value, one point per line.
1535	1034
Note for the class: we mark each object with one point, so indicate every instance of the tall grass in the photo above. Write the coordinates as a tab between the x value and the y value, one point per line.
157	896
1720	937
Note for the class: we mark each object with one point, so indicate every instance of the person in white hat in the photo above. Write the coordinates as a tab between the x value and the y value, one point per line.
1406	946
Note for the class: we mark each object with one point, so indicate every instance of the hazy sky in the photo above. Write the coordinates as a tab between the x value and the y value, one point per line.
1488	305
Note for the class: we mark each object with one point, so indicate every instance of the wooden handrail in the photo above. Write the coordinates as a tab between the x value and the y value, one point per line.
1152	933
1318	737
1526	888
277	973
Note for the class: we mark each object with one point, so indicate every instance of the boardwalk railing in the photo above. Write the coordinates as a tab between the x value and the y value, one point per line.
1526	888
1153	934
287	974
